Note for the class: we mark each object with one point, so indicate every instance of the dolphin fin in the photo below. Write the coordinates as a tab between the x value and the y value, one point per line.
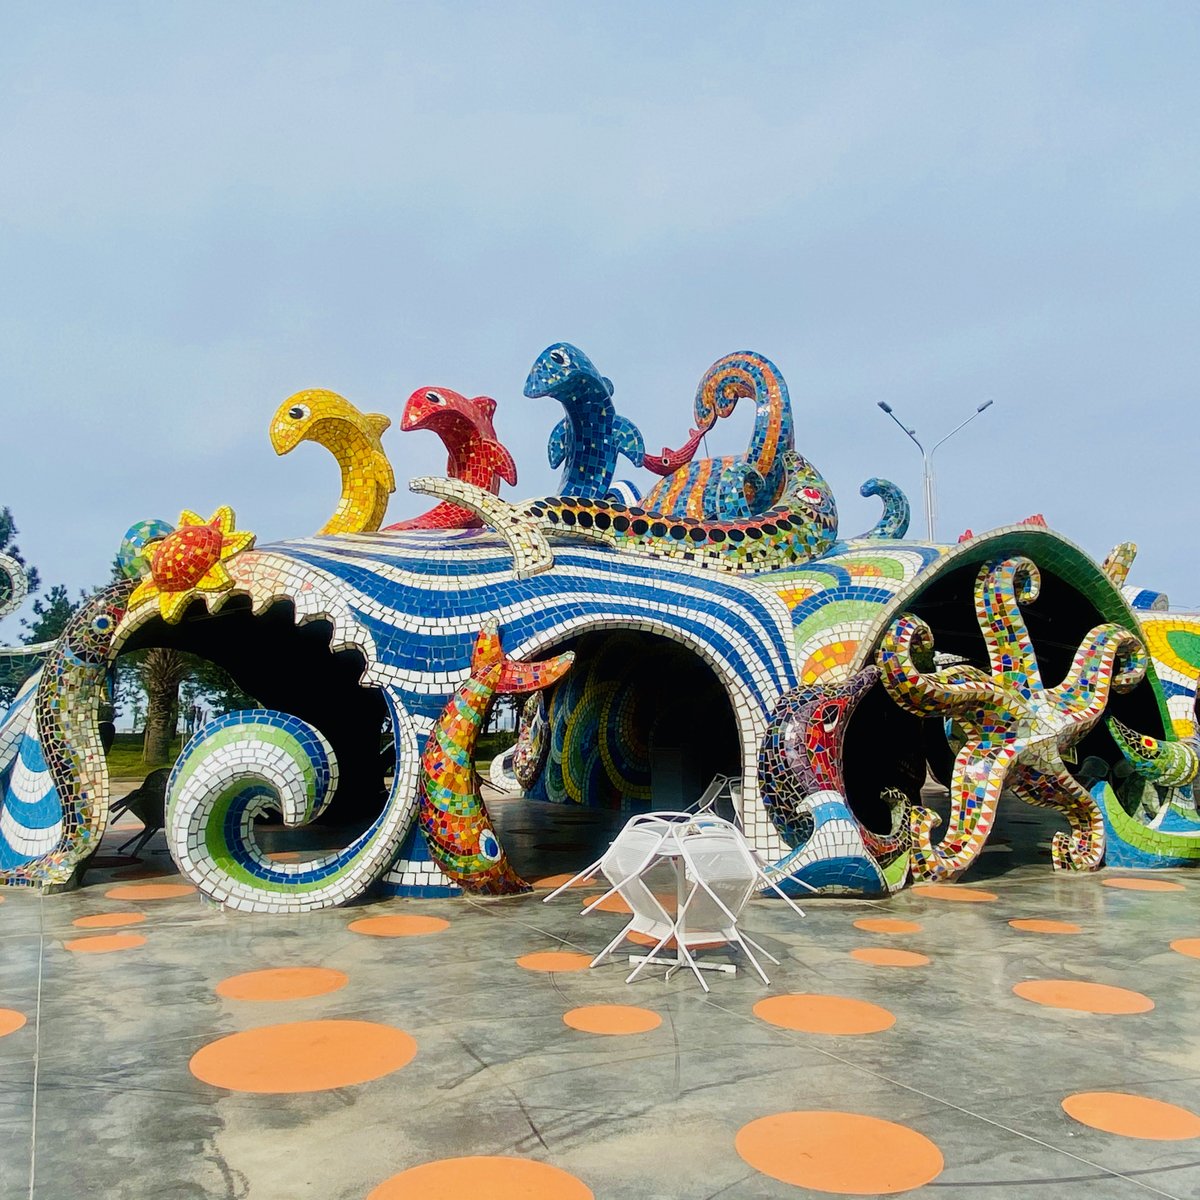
376	423
560	441
501	460
485	404
629	440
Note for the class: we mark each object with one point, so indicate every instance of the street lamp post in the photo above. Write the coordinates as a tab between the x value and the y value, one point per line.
930	496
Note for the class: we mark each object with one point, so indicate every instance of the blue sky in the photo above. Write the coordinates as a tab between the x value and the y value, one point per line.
204	208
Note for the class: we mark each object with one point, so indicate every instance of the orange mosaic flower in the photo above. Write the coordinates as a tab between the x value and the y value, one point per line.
190	560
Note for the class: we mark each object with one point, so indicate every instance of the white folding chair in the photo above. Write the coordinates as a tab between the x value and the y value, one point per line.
643	822
720	876
720	787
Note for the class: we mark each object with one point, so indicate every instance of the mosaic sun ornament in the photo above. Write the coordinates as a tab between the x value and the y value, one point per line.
1016	728
191	560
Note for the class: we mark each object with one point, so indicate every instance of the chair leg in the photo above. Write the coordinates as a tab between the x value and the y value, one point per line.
691	962
642	965
741	941
765	953
584	874
611	946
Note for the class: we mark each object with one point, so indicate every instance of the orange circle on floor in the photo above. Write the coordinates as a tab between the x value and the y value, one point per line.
612	1019
953	891
847	1154
879	956
10	1021
398	926
1083	997
554	960
105	944
109	920
150	891
1036	925
887	925
282	983
1136	883
497	1178
1133	1116
1188	946
811	1013
303	1056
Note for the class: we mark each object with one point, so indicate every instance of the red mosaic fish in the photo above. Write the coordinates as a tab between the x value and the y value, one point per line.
465	426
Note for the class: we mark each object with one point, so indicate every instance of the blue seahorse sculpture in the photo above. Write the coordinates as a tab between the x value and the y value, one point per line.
588	439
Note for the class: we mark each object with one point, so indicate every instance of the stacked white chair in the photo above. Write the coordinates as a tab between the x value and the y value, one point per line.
686	879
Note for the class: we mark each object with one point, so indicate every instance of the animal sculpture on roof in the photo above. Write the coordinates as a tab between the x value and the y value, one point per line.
587	441
352	437
893	522
475	455
734	485
801	526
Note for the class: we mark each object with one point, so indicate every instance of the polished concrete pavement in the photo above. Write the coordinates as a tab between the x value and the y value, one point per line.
97	1097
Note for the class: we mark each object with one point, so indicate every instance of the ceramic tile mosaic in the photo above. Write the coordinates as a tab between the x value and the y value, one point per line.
735	485
793	624
1016	729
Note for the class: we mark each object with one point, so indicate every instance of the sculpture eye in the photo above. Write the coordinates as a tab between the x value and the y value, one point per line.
435	398
102	624
829	717
488	846
298	412
560	357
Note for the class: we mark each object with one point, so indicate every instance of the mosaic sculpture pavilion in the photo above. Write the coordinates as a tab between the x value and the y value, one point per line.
720	624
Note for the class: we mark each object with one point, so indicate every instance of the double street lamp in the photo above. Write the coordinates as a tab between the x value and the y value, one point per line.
927	459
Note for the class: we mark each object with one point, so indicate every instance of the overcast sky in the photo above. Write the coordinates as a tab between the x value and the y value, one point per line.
204	208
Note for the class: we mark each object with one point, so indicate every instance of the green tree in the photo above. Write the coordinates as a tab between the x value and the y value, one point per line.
51	612
8	546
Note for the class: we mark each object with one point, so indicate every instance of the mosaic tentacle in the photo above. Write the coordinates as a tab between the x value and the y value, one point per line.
475	454
733	486
591	435
1109	659
1082	849
55	803
453	817
1118	561
244	763
893	522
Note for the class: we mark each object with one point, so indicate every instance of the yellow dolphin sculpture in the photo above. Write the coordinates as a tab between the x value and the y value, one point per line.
352	437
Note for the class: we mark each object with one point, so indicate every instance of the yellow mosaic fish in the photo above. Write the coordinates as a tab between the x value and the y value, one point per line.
352	437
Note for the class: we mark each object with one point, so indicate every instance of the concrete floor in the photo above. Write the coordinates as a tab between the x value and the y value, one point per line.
97	1099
